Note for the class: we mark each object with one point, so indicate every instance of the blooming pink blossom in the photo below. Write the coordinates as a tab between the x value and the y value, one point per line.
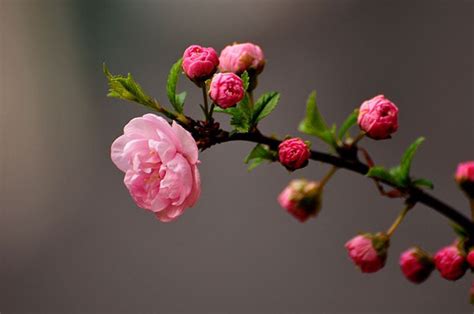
416	265
368	252
378	117
293	153
160	164
226	89
238	58
450	262
199	63
301	199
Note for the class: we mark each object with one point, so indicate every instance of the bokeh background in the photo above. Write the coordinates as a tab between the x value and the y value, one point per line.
72	240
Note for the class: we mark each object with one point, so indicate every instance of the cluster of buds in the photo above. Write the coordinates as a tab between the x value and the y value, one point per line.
226	88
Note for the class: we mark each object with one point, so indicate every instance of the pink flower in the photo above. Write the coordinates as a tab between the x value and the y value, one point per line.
368	251
378	117
199	63
450	262
226	89
238	58
470	258
293	153
465	177
160	164
416	265
301	198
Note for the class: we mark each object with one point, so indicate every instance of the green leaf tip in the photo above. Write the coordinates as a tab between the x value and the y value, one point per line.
407	157
264	106
314	124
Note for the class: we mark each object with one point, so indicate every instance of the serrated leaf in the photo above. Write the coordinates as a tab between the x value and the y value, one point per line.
407	158
423	183
379	172
350	121
258	155
245	80
126	88
240	115
264	106
171	84
239	121
314	124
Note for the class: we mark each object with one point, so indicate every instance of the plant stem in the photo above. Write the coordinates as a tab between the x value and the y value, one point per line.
328	176
250	99
358	138
399	219
471	203
206	105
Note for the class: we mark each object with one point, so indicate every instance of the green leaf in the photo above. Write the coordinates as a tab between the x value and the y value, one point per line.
240	115
314	124
423	183
350	121
126	88
245	79
258	155
264	106
407	158
379	172
177	101
239	121
180	98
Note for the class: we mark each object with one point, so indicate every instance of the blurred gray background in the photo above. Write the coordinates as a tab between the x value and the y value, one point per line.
71	238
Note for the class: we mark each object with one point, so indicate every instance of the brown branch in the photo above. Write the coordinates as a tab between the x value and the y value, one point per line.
414	194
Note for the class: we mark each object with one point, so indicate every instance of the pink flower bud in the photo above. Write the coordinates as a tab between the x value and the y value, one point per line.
301	198
450	262
416	265
199	63
378	117
470	258
238	58
465	177
368	251
293	153
226	90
